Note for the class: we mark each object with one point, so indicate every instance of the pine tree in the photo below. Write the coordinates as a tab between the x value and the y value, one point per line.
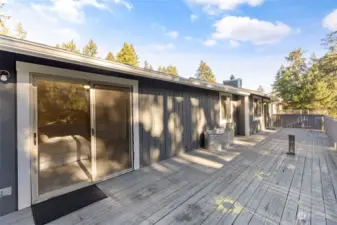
260	89
90	49
172	70
20	32
127	55
146	65
204	72
110	57
70	46
3	18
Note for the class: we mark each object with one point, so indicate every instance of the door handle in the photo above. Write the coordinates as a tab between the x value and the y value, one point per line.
34	137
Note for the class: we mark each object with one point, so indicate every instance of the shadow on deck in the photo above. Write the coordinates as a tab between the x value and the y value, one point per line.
253	182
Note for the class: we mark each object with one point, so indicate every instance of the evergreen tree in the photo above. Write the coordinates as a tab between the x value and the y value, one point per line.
290	82
3	18
20	32
127	55
110	57
172	70
260	88
70	46
204	72
146	65
90	49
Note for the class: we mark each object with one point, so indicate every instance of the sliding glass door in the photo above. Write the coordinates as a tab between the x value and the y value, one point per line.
82	134
112	120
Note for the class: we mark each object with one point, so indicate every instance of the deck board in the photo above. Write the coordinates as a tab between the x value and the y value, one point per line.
253	182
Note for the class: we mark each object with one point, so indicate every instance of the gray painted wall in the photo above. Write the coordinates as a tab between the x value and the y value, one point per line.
7	136
330	125
172	119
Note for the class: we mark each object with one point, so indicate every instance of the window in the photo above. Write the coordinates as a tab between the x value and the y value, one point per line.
257	104
225	107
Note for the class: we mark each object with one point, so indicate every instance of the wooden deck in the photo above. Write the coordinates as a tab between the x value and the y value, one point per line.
255	182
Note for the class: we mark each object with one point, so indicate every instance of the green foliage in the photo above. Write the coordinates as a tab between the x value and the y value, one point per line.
70	46
19	32
110	57
90	49
146	65
150	67
260	88
204	72
309	83
172	70
127	55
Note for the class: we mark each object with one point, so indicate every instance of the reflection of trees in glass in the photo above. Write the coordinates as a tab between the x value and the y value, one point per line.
62	103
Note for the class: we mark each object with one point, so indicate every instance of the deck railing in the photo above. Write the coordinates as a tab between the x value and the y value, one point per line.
306	121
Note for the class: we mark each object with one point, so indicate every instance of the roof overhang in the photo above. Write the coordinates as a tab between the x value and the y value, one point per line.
29	48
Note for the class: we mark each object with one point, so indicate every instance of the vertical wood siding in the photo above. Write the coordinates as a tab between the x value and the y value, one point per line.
173	118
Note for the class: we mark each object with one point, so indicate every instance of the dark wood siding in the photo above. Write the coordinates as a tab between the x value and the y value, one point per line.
172	118
8	163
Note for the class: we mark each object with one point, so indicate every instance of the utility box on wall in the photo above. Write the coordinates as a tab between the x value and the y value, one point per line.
219	139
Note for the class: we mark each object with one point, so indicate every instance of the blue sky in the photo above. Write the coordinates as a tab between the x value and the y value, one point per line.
247	38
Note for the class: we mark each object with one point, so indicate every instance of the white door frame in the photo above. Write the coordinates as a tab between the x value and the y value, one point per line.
25	124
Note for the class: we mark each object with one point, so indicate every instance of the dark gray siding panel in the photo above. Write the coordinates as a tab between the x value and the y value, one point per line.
8	135
173	118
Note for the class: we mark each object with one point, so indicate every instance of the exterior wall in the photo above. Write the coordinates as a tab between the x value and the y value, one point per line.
256	123
172	119
330	125
8	136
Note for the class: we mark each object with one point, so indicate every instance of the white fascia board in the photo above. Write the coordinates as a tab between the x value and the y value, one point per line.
14	45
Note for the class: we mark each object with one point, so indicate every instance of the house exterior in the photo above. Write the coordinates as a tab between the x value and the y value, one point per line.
68	120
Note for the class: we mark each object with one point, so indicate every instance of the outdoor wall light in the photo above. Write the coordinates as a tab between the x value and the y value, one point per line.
86	86
4	75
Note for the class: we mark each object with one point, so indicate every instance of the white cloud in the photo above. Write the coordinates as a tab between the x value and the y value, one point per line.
224	4
234	44
210	42
330	21
193	17
246	29
72	10
128	5
173	34
188	38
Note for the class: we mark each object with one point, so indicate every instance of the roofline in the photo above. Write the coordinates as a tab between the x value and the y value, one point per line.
29	48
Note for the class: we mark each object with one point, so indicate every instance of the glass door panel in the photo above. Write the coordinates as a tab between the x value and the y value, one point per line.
63	134
113	127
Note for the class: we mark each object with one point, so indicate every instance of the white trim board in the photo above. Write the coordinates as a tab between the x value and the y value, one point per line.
24	124
47	52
